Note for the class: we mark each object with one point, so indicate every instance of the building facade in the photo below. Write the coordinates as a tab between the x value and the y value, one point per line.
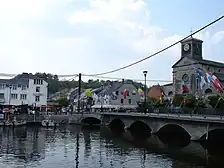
185	74
114	94
23	89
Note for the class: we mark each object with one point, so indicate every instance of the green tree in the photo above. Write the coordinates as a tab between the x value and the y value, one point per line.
62	102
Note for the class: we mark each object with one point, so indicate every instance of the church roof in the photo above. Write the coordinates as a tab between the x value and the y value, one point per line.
211	63
192	39
203	62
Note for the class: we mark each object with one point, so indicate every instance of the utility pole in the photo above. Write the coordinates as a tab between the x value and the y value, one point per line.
145	92
79	93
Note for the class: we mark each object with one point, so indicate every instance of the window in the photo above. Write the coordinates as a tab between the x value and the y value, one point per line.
24	87
122	101
37	98
37	89
14	87
117	92
14	96
129	101
219	70
38	82
23	97
2	96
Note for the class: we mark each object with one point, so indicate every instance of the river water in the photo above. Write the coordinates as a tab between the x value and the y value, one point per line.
76	147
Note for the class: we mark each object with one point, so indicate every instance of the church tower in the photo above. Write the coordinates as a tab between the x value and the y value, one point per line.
192	47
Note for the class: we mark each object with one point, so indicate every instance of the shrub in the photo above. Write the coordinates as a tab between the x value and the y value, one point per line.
178	100
191	101
213	100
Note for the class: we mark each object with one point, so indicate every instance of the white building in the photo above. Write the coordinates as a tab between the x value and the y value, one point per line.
23	89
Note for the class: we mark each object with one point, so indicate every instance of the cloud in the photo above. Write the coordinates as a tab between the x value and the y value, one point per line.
88	36
218	37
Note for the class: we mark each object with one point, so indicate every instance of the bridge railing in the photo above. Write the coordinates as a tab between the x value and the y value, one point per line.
205	112
185	110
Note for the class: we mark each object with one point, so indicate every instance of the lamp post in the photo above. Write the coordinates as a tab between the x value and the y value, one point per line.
145	73
10	90
101	101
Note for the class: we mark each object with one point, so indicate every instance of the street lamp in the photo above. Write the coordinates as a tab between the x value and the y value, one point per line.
145	73
101	101
10	90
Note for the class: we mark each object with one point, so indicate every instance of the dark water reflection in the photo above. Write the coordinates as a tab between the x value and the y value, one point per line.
75	147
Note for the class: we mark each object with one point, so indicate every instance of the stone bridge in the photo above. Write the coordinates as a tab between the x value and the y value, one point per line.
195	126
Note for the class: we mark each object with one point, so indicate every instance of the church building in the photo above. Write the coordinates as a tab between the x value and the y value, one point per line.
184	72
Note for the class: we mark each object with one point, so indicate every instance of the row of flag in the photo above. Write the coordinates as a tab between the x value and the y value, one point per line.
208	79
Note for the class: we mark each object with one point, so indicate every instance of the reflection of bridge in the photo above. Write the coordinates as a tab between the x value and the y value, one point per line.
195	125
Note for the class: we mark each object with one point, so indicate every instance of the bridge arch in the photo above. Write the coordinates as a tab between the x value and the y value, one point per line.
214	143
174	134
117	126
214	135
140	130
91	121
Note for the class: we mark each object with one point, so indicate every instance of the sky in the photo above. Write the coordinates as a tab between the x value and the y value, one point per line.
94	36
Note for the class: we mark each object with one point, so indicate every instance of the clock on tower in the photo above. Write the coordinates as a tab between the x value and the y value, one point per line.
192	47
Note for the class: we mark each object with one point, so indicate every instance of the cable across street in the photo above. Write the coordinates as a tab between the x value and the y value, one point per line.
160	51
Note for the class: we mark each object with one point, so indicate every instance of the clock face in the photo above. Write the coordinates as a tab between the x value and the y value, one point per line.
186	47
185	78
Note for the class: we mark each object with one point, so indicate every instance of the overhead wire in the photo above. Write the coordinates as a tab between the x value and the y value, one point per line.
160	51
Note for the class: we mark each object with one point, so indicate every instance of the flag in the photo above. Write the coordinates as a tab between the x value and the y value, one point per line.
125	93
217	84
215	81
140	92
160	100
209	81
201	79
88	93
